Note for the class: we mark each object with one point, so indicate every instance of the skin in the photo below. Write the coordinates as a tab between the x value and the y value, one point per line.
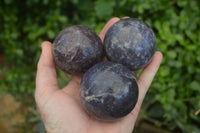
61	110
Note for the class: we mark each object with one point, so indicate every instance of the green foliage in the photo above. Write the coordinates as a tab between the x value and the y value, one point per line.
173	97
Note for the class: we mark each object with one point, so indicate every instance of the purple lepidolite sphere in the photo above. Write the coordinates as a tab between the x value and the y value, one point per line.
108	91
130	42
76	49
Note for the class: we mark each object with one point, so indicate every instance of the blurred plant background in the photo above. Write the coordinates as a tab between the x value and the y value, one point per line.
173	101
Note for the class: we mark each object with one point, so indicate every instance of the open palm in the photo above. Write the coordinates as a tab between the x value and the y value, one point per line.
61	109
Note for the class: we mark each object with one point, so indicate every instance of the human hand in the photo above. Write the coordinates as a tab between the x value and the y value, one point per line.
61	109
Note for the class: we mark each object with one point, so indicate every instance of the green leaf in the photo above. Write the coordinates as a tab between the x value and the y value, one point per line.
180	105
182	3
156	111
63	19
194	85
51	34
191	69
74	1
164	71
8	1
104	8
198	58
171	54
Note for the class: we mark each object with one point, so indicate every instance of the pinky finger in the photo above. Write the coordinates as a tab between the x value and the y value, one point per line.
146	77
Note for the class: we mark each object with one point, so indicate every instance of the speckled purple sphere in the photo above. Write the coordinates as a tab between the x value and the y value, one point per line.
108	91
130	42
76	49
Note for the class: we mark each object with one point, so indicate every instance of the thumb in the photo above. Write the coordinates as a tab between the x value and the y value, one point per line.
46	78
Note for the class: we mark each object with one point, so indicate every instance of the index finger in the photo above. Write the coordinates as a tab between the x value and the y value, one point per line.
107	26
46	77
146	77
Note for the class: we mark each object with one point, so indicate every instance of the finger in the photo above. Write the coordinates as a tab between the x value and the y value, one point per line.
144	82
73	86
146	77
107	26
125	17
105	29
46	78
